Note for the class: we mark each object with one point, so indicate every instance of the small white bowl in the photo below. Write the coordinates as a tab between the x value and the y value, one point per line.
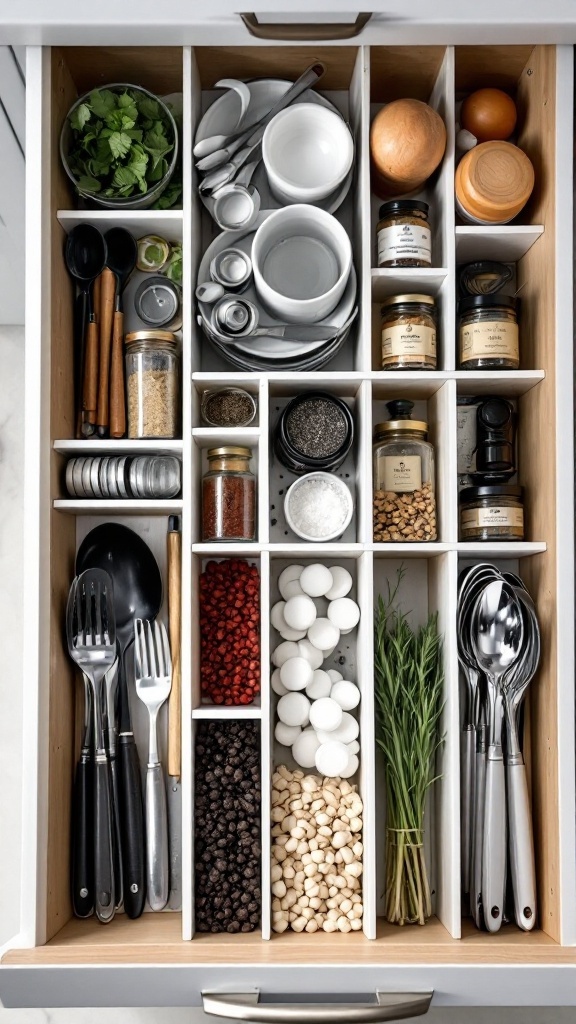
338	485
307	151
301	258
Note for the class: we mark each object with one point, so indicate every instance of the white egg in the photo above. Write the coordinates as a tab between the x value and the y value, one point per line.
294	709
323	634
292	572
286	734
277	684
344	613
346	732
354	747
346	694
311	653
351	768
299	612
292	634
296	673
320	685
277	616
284	651
316	580
332	758
329	652
326	714
341	585
335	675
344	632
304	748
292	589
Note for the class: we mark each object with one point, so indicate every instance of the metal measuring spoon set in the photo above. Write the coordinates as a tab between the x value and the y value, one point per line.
118	476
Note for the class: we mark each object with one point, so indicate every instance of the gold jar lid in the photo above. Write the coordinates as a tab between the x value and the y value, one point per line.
397	300
218	453
418	426
150	336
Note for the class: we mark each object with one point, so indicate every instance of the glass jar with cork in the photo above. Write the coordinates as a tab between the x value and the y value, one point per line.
404	508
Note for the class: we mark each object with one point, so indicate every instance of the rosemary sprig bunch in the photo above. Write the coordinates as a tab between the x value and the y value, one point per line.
408	689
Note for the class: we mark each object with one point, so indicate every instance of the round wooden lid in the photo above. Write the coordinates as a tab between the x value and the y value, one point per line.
494	181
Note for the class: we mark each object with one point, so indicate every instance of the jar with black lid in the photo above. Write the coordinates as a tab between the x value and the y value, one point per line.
408	332
493	512
488	333
403	234
314	432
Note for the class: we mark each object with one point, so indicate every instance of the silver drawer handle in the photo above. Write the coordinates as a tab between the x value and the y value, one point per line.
246	1006
305	31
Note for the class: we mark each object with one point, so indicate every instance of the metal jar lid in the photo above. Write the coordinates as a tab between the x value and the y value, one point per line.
151	336
216	453
418	426
403	206
471	494
398	300
486	302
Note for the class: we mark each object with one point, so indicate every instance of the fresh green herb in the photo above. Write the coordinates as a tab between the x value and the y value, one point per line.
121	145
173	268
408	689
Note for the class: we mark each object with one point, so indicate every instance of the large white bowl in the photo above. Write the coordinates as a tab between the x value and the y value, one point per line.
301	257
307	151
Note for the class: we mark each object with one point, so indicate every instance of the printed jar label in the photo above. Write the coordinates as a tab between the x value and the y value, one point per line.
497	338
402	473
497	515
404	242
413	343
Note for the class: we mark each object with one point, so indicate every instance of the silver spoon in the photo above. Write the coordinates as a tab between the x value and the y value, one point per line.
497	638
289	332
223	175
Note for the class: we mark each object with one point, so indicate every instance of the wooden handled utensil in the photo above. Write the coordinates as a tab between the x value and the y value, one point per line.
92	358
122	252
108	292
174	614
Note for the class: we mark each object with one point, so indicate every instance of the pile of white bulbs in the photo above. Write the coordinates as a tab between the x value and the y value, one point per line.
314	705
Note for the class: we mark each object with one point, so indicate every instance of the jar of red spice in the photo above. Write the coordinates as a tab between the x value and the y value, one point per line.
229	495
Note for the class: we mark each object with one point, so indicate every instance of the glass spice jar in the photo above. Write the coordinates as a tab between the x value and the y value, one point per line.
494	512
488	333
404	506
409	333
152	384
229	495
403	234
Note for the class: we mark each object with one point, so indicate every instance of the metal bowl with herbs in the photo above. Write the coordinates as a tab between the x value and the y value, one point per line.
119	146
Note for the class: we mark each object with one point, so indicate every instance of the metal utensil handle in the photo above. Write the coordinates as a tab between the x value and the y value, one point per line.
304	32
156	838
467	771
521	847
494	843
478	839
246	1006
105	899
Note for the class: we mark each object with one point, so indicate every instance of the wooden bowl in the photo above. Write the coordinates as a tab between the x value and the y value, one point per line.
407	143
493	182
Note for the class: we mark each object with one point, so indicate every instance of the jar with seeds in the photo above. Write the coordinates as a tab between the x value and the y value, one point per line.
152	384
404	507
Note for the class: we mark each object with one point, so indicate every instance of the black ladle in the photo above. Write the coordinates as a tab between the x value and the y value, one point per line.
121	260
122	254
85	254
137	594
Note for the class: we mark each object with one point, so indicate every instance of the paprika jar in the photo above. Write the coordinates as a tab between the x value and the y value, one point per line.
488	333
229	495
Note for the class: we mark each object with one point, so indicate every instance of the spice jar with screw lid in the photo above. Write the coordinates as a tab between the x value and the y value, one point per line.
492	512
403	234
488	333
229	495
315	431
409	333
404	491
152	384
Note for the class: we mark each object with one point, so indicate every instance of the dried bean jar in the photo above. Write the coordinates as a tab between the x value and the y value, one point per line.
488	333
152	384
403	234
409	333
404	494
229	495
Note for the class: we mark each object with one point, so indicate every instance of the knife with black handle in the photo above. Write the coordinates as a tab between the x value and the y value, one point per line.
131	810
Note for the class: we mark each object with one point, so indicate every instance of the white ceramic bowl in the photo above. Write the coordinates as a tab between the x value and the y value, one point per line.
301	257
306	480
307	151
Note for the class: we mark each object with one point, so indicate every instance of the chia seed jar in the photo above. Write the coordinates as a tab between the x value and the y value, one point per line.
315	431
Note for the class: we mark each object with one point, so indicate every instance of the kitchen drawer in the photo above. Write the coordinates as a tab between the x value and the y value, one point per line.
158	959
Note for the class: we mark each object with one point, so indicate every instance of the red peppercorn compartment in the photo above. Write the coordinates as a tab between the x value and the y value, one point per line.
212	438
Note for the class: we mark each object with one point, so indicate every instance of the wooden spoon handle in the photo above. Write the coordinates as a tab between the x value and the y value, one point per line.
106	317
174	613
117	400
90	392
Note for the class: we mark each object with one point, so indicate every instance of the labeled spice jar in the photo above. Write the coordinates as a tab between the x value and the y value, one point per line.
494	512
314	431
404	493
152	384
228	407
409	333
488	333
229	495
403	234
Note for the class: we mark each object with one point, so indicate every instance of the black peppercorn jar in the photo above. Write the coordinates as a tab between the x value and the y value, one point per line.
315	431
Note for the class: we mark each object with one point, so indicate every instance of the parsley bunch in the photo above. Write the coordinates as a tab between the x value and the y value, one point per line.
121	142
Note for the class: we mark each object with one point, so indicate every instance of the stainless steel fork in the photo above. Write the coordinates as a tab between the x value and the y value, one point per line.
153	673
91	634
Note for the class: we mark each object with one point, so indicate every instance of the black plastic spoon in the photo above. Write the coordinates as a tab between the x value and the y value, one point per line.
85	254
122	253
137	594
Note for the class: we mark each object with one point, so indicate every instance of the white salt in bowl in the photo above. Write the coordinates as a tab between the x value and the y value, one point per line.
315	502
